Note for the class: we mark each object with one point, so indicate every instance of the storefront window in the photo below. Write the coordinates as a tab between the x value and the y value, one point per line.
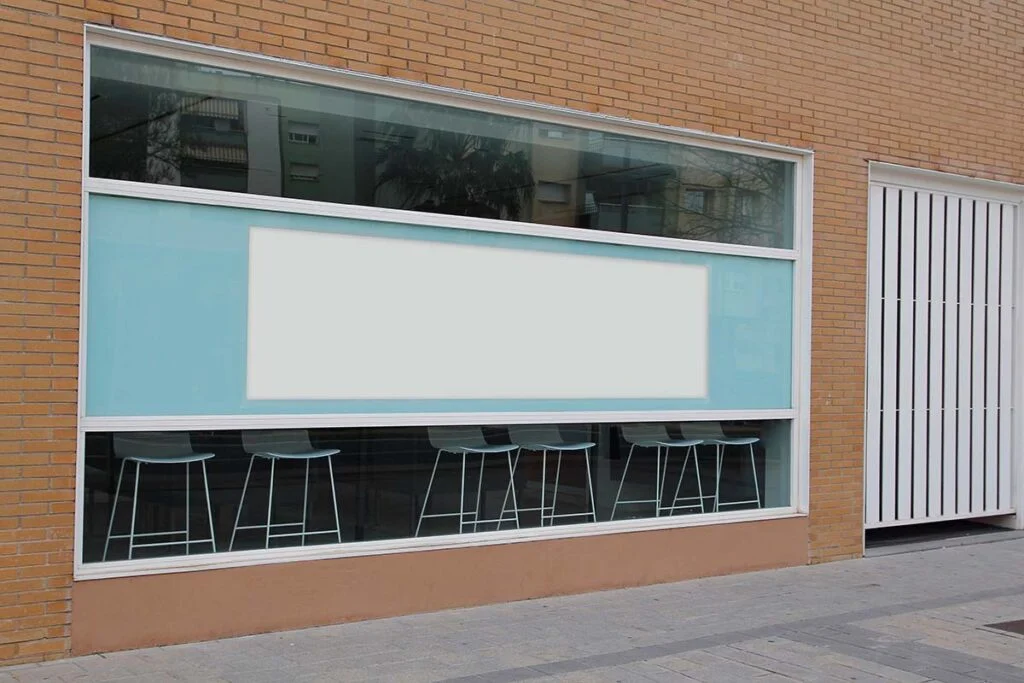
160	494
215	310
156	120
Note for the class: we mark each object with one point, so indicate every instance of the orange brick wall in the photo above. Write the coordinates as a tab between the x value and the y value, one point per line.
931	83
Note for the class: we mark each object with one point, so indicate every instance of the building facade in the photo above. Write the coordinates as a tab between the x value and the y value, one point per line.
318	311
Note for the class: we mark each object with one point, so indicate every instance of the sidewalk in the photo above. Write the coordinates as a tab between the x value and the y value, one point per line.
911	618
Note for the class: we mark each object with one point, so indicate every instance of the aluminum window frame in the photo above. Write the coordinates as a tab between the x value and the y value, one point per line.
798	414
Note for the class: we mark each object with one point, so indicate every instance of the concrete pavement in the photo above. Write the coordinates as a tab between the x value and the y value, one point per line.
911	618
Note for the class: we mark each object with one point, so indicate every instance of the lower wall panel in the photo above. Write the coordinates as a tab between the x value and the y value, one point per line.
144	611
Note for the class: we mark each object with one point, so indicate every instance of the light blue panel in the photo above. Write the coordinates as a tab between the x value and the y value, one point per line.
167	306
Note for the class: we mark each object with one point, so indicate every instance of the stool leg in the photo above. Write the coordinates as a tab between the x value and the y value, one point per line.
426	497
753	469
679	482
135	503
590	484
305	503
479	491
462	494
622	481
270	501
334	497
696	466
113	510
512	488
209	508
657	481
238	515
554	494
188	509
718	473
543	483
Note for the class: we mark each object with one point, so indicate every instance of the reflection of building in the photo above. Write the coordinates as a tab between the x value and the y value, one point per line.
557	195
596	180
213	138
317	155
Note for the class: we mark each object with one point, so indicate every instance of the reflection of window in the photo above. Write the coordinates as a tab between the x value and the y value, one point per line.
747	203
304	172
303	133
553	133
558	193
695	201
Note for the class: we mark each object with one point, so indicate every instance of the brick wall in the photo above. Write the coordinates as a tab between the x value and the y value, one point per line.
932	83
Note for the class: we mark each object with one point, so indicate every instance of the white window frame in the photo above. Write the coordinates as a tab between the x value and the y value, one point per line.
798	414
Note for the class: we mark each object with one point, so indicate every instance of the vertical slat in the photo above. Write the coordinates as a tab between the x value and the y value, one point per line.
905	397
919	401
950	355
936	348
991	360
890	380
978	291
964	384
873	413
1006	304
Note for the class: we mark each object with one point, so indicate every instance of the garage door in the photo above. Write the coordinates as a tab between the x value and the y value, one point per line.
939	431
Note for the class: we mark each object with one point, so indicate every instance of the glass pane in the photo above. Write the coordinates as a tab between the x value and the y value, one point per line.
162	121
164	493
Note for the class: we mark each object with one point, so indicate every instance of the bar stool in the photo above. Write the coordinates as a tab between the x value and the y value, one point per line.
656	436
541	439
711	433
466	441
285	444
158	448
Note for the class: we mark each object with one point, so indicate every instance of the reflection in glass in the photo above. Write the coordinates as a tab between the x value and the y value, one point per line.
161	121
170	494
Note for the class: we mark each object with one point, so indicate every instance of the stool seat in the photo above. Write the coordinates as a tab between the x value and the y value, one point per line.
558	446
671	443
305	455
731	441
483	448
170	460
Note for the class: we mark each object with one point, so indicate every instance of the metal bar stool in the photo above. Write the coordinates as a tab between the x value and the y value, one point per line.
285	444
711	433
463	442
158	448
541	439
656	436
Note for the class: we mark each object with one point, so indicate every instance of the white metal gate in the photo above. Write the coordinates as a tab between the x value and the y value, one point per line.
940	326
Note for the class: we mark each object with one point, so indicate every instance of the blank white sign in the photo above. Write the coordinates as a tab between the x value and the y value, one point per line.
336	316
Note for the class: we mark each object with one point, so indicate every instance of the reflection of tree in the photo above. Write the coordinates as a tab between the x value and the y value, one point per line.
465	174
137	133
750	201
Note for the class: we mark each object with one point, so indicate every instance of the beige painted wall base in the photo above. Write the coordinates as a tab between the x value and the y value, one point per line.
144	611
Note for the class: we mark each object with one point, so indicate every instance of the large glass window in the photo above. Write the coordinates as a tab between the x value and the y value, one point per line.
171	122
158	494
